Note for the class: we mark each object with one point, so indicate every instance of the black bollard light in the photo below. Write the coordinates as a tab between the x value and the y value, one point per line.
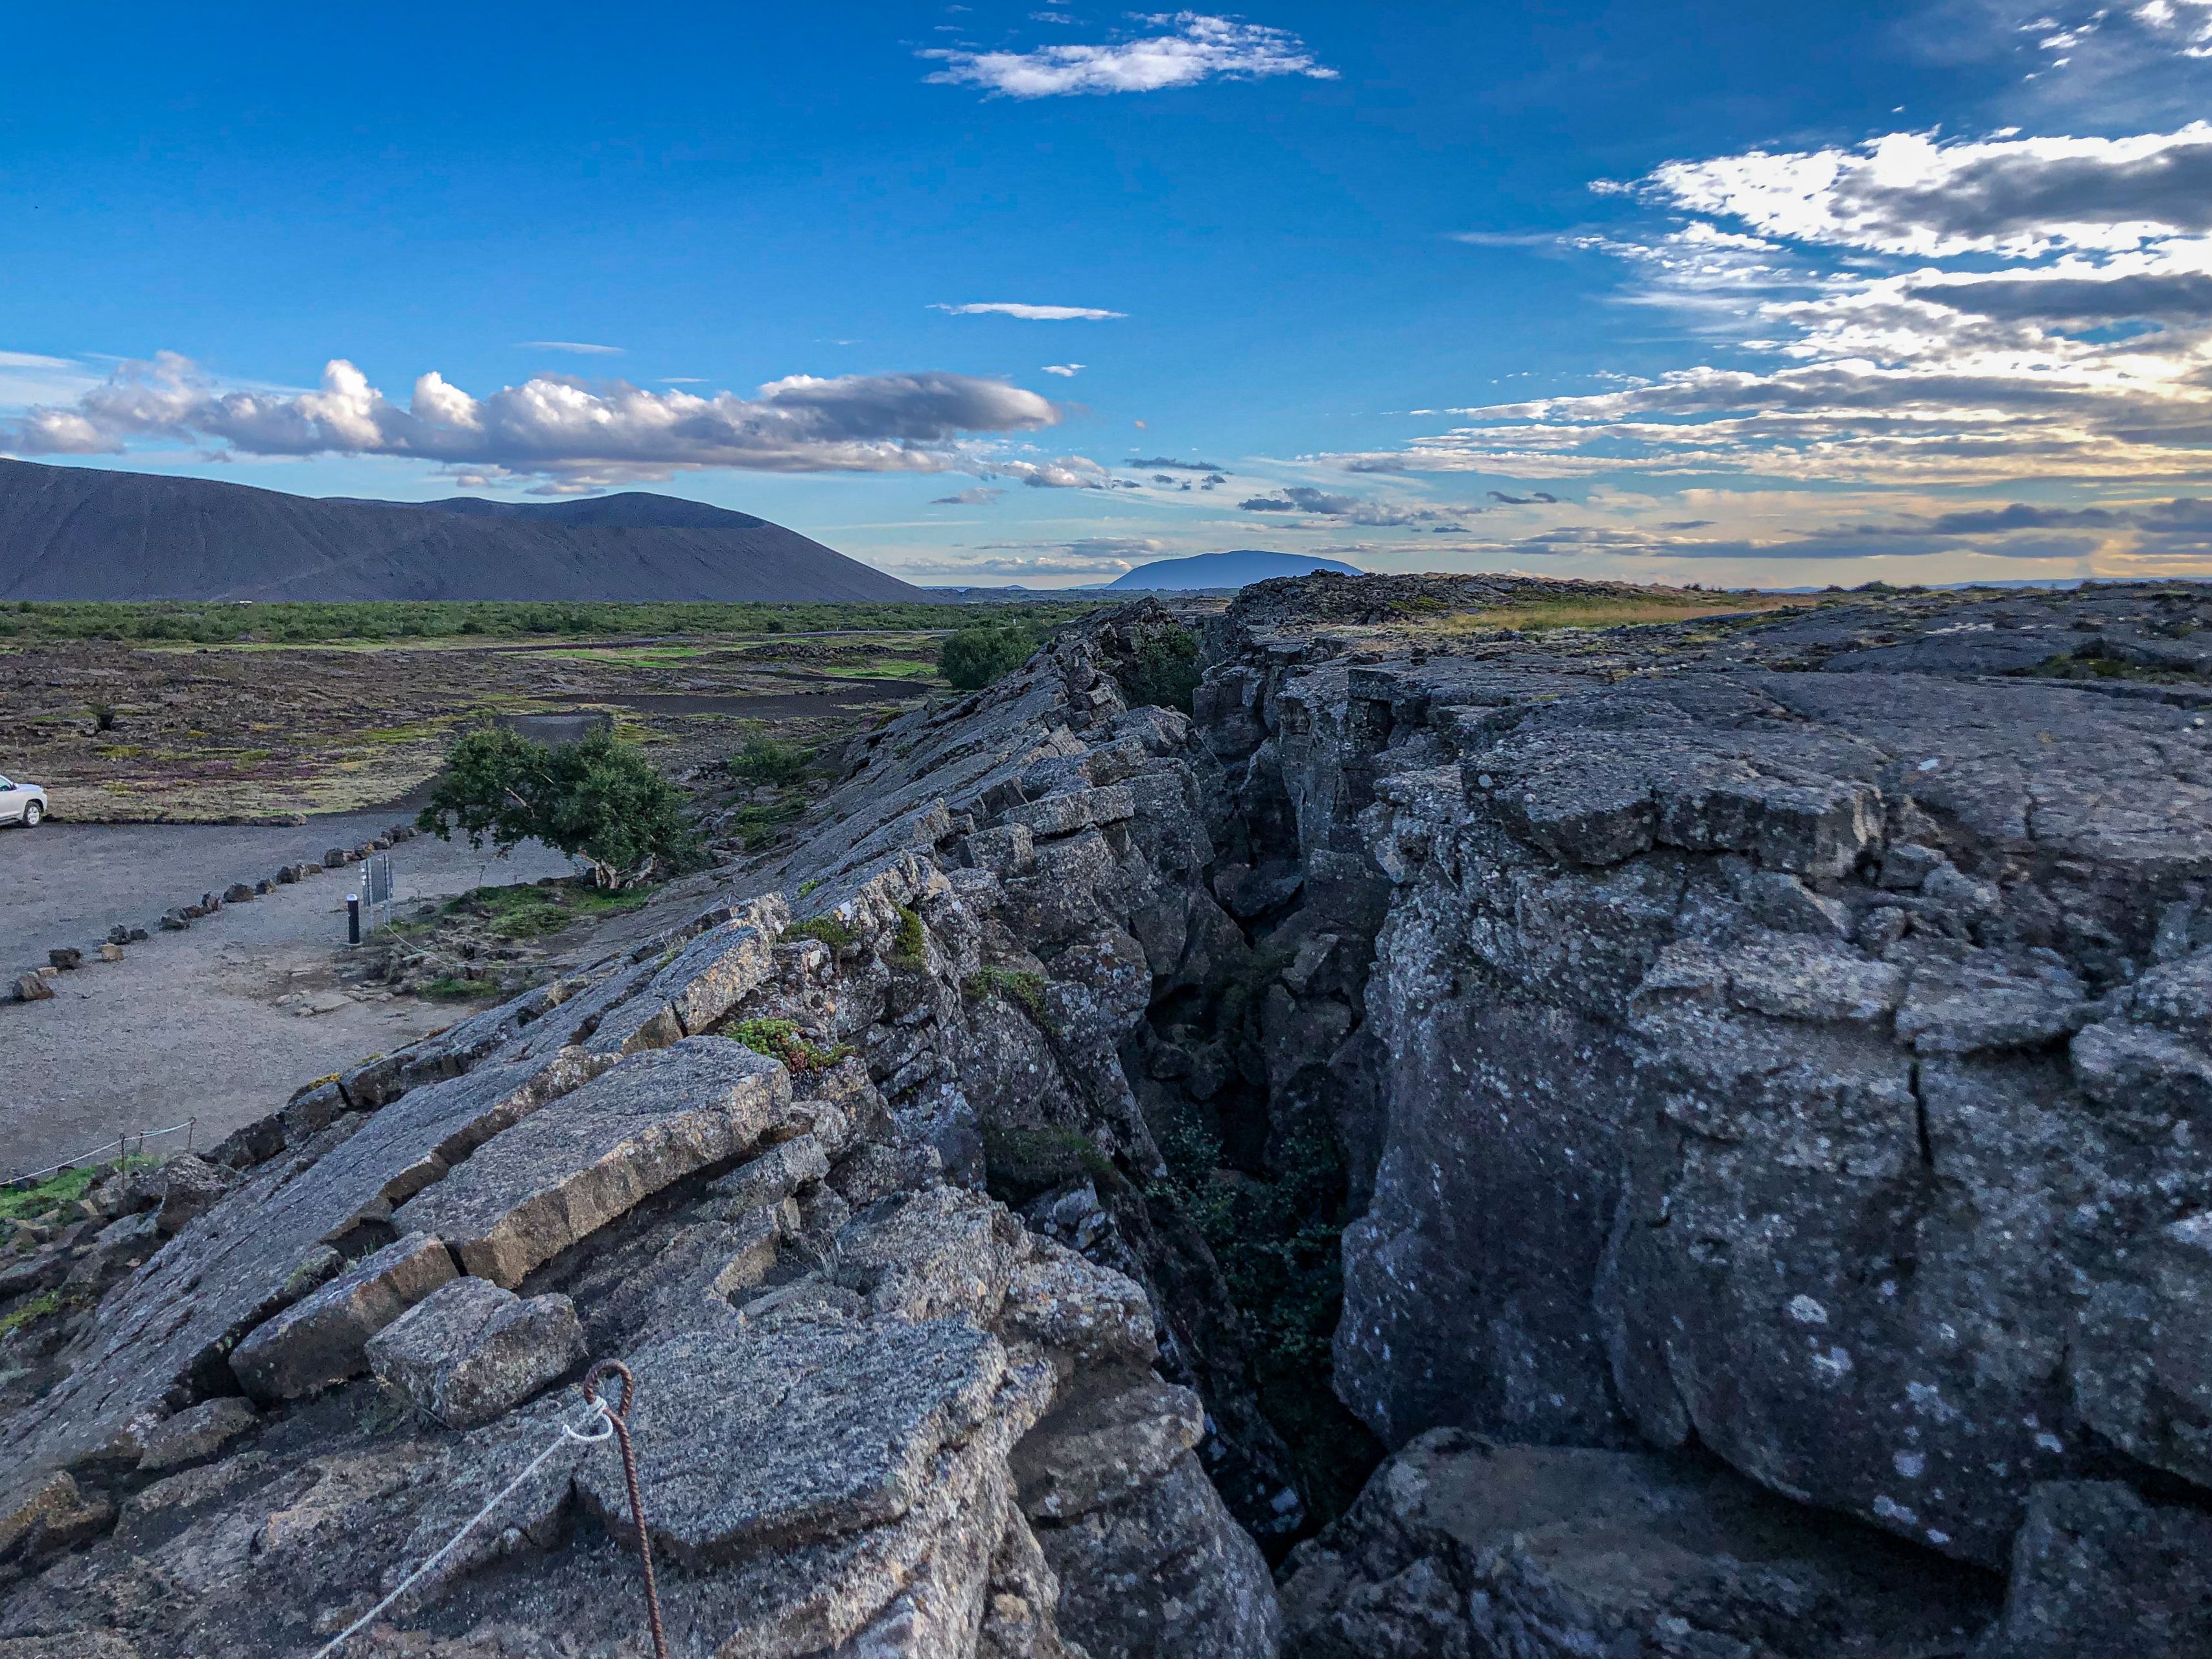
353	918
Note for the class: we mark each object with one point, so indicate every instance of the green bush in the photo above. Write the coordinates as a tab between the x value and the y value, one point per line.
974	657
764	761
600	800
1164	670
826	929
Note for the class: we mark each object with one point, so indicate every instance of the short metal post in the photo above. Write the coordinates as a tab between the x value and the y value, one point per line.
353	918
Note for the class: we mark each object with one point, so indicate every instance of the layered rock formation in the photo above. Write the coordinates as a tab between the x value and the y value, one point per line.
1764	1063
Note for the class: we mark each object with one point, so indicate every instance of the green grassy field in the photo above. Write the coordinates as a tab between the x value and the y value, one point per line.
29	622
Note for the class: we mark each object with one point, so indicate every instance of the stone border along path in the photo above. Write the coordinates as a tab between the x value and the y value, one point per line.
67	958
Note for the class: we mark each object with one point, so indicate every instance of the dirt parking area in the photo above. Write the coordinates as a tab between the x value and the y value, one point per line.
221	1022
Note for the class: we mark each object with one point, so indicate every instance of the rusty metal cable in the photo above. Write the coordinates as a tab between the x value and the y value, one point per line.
619	1416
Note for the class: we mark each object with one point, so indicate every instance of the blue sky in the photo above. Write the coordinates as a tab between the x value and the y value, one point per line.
1671	292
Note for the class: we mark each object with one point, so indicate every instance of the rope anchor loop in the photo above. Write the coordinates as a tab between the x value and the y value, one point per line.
617	1416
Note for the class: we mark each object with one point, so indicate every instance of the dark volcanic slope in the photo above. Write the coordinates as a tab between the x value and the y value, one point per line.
80	533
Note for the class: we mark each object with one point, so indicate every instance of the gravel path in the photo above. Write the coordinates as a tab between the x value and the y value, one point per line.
187	1025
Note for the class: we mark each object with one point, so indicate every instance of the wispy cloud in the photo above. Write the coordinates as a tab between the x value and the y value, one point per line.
1199	47
580	348
1927	311
550	426
976	495
1357	509
1065	371
1066	472
1030	313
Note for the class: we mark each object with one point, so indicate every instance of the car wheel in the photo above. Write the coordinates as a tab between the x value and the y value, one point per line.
32	813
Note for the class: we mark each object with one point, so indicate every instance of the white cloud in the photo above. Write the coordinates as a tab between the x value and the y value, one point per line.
978	495
1067	472
1065	371
1927	312
1357	509
1032	313
1912	193
550	426
1201	47
581	348
2187	23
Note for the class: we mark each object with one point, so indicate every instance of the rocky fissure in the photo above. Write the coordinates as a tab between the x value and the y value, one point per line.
1680	1140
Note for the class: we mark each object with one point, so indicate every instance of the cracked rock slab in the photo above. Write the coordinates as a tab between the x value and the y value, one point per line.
470	1352
569	1170
773	1435
322	1339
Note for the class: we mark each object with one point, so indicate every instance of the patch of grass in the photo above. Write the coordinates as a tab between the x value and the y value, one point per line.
826	929
910	944
447	988
1024	990
780	1039
2086	665
37	1308
1019	1164
59	1192
525	910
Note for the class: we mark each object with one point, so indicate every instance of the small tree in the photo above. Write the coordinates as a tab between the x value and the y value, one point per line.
974	657
1162	668
768	761
599	799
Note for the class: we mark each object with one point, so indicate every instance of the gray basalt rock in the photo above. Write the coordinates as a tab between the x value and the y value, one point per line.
190	1187
1730	1035
323	1339
195	1433
572	1167
470	1352
1462	1546
2098	1573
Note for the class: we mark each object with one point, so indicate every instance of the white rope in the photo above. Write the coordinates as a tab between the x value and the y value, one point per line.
598	1411
71	1163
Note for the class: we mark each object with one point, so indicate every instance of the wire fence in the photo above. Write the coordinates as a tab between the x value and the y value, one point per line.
122	1146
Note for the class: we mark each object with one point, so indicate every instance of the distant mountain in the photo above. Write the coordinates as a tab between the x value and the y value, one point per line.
74	532
1229	569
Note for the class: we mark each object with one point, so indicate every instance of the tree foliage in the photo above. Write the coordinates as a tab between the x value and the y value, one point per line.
974	657
1163	670
600	800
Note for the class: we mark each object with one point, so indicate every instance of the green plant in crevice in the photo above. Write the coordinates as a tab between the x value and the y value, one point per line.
781	1039
910	944
826	930
1024	990
1020	1164
1277	1238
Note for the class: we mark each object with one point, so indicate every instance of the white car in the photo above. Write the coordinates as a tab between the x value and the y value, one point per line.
22	803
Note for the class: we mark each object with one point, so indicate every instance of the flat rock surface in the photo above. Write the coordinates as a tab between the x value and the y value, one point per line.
774	1436
537	1188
